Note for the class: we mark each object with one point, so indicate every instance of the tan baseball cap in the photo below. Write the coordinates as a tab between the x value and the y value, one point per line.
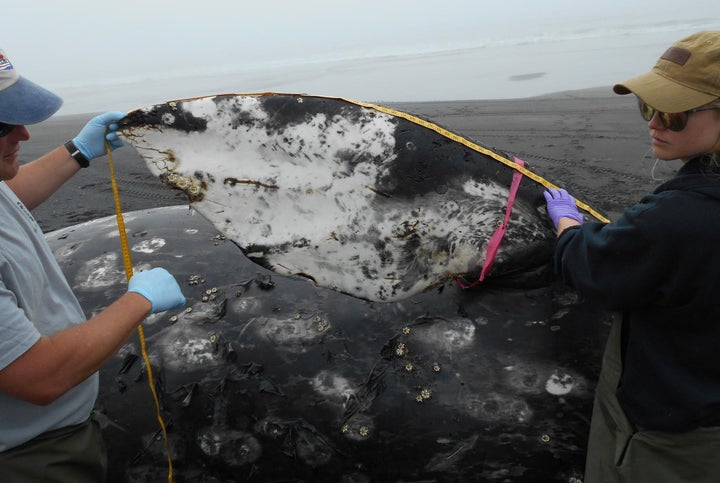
22	101
686	76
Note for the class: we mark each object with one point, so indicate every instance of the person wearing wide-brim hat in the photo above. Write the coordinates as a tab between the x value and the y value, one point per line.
49	353
656	416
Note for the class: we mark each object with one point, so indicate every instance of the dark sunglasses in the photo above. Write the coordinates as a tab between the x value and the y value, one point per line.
6	129
675	121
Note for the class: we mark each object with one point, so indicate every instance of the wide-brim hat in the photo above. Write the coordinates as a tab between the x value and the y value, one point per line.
686	76
23	102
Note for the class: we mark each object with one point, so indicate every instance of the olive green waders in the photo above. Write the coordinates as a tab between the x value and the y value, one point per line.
620	452
75	454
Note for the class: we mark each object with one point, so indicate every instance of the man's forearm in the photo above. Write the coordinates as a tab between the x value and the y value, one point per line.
59	362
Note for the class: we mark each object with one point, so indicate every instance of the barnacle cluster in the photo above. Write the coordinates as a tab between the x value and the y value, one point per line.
192	186
320	323
423	395
209	294
195	280
362	431
414	365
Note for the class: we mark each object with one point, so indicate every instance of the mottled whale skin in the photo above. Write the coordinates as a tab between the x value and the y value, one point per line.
266	378
359	200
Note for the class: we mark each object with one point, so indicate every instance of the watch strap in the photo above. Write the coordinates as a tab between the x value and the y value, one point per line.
76	154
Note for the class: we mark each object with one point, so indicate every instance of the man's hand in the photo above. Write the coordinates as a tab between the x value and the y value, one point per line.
91	139
159	287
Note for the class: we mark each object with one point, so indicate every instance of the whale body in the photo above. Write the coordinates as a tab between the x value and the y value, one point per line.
266	378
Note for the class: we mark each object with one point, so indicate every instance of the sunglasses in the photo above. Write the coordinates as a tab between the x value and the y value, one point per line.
675	121
6	129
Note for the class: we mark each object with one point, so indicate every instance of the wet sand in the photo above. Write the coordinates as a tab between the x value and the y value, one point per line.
592	142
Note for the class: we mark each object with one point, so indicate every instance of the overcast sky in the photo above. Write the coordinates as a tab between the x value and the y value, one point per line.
58	43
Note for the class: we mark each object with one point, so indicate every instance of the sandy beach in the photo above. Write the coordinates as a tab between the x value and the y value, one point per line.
592	142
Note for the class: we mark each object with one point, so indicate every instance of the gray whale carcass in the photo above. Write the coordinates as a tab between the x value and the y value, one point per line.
267	378
361	199
369	363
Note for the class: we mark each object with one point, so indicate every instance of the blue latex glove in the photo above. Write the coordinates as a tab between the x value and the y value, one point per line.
561	205
91	139
159	287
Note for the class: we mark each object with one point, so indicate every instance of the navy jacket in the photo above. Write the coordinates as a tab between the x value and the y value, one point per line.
659	264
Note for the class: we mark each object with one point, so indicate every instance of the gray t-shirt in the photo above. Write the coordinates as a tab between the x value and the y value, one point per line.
35	301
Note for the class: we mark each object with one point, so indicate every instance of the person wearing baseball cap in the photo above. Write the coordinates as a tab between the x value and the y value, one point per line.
49	352
656	416
686	76
22	101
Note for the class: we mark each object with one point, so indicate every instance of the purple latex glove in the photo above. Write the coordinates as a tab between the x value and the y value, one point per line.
561	205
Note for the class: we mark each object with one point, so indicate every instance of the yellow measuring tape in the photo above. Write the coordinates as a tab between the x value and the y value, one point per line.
476	147
141	334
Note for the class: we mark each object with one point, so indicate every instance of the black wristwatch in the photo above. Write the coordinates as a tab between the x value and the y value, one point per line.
76	154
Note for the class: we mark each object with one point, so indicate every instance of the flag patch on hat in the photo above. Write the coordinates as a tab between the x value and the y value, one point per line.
5	63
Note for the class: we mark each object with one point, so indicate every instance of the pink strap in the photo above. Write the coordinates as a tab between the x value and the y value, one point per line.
495	240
